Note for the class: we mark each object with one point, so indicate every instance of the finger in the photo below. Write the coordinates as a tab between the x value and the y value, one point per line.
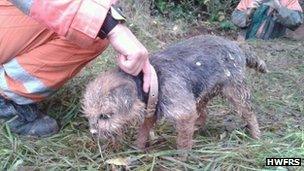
128	66
141	65
259	1
133	67
143	59
147	76
255	5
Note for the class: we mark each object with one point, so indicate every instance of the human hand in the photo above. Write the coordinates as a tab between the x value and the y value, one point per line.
255	4
275	4
133	56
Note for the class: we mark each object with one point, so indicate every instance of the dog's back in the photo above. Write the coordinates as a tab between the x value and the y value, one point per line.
204	62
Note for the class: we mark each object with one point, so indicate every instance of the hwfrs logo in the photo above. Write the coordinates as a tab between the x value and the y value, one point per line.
283	161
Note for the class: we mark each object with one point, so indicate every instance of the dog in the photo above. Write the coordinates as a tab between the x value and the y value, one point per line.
190	74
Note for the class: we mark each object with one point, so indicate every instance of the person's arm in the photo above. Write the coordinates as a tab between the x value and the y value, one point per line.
289	15
241	16
77	20
82	21
289	18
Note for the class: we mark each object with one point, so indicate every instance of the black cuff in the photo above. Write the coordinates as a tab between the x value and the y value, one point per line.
108	25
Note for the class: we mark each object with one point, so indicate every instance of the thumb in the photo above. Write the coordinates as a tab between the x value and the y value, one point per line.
147	76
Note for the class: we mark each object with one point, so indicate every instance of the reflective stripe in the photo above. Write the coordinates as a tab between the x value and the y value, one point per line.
32	84
23	5
10	94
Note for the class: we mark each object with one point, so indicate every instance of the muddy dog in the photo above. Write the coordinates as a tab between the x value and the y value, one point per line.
190	74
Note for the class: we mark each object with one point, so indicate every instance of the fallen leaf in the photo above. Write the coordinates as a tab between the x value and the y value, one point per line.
118	161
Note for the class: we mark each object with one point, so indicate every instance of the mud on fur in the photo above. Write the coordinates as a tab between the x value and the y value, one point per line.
190	74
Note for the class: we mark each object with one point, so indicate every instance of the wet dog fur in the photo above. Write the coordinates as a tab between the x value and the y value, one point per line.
190	74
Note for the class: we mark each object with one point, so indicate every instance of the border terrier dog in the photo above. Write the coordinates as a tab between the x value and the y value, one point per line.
190	74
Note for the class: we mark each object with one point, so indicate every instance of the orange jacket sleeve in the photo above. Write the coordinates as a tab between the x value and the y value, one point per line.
243	5
292	5
77	20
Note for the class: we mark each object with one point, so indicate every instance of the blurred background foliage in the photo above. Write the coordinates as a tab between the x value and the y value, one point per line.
196	10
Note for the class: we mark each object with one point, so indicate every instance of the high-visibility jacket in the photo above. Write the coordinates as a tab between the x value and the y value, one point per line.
38	54
266	22
77	20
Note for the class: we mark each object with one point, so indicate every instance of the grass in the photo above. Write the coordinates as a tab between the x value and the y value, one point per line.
278	100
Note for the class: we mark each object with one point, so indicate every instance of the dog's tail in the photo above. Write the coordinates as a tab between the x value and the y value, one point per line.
252	60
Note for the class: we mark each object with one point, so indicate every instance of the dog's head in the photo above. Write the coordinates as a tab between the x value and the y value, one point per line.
111	104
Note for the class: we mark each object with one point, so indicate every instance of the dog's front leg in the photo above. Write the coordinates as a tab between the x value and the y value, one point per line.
185	127
143	132
202	112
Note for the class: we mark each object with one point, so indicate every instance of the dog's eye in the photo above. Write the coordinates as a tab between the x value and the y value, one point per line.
105	116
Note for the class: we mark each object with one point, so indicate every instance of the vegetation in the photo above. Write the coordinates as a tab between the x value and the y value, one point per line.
196	10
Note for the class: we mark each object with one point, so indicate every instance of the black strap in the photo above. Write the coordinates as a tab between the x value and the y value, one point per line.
108	25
